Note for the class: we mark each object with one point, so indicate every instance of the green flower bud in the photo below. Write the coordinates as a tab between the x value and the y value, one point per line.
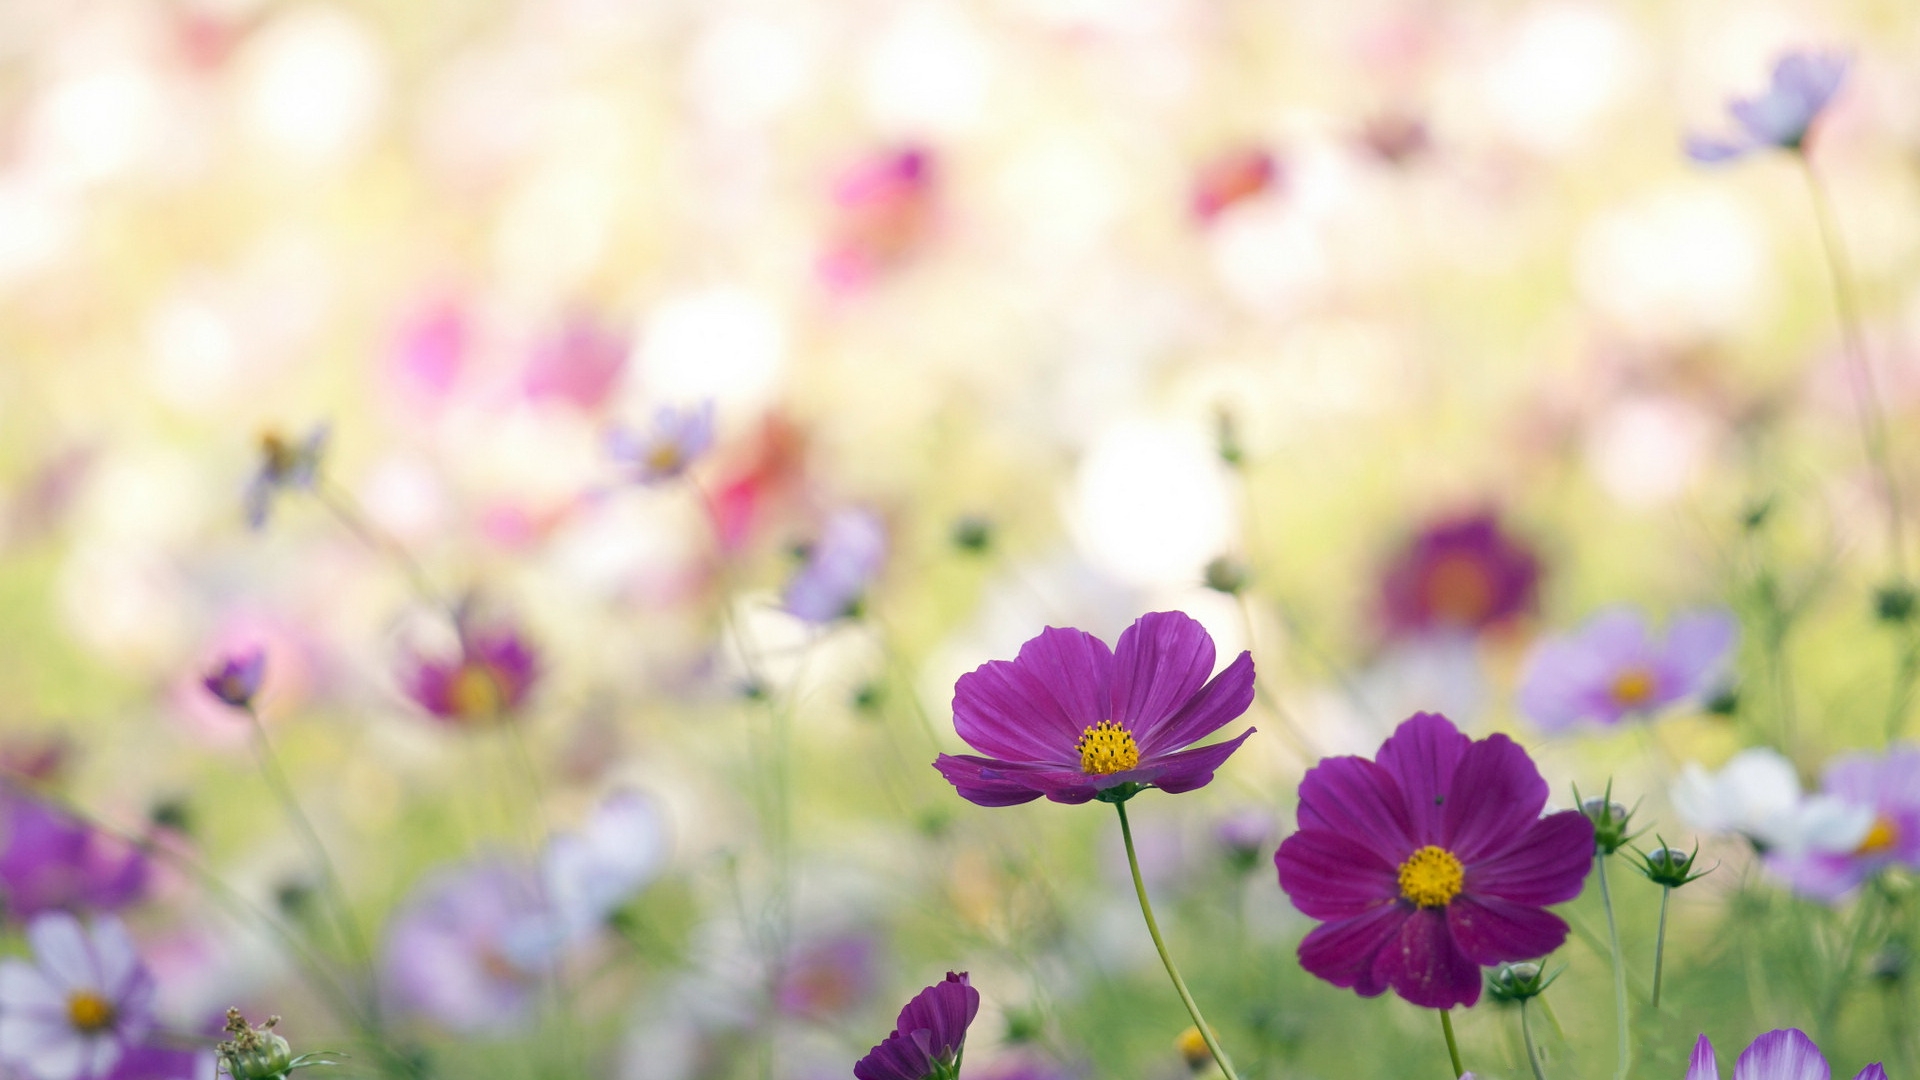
1518	982
1226	574
1669	867
1611	821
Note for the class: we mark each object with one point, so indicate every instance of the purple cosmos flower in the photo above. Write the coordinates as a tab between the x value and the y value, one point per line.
1459	573
1783	1054
284	466
929	1036
1884	794
70	1014
487	683
1611	668
236	679
1072	720
1430	862
469	947
828	977
580	364
675	441
52	861
1803	84
839	567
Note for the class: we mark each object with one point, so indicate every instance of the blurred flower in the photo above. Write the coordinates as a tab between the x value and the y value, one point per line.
590	874
284	466
838	568
40	758
161	1062
488	682
236	679
1609	669
928	1038
1757	794
1233	177
829	977
1886	792
1430	862
1072	720
431	352
1459	573
580	364
1781	1054
70	1013
1396	137
744	499
53	861
1243	835
666	449
883	215
468	948
1803	84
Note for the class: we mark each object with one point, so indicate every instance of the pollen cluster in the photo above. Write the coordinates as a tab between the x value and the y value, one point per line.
1432	876
475	692
1880	838
89	1012
1106	748
1633	688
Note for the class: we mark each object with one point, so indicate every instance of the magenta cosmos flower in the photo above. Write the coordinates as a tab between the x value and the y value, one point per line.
1884	794
1803	84
884	211
236	678
1613	668
488	681
1460	574
52	861
1073	720
1430	862
1785	1054
928	1038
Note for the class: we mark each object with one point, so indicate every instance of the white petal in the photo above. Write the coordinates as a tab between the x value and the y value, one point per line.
115	958
47	1051
101	1054
23	986
60	949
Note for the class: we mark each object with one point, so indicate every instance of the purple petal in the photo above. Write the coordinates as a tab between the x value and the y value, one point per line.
1421	755
1331	876
1697	647
1186	770
1561	684
1217	704
1706	151
1703	1066
1496	795
1820	876
984	781
1343	952
943	1010
1423	964
1160	661
1546	865
1357	798
1782	1055
1034	707
1872	1072
1488	930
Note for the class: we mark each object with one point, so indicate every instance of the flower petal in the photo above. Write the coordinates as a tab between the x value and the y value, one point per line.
984	781
1217	703
1697	647
1496	794
1423	964
1703	1066
60	949
1160	661
1331	875
25	988
1035	706
42	1050
1422	754
1782	1054
1488	930
1343	952
1187	769
115	958
1872	1072
1547	864
1357	798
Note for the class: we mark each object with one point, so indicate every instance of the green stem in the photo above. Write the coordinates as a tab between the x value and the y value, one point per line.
1660	943
1526	1033
1619	968
1153	928
1453	1048
348	514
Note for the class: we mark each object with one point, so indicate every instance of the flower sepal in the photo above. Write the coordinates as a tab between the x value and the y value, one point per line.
1518	982
1670	867
1612	822
1120	793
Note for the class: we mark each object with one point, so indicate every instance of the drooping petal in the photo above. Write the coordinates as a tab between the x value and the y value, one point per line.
1187	769
1357	798
1496	795
1782	1054
1547	864
1422	754
1343	952
1423	964
1218	703
984	781
1035	706
1160	661
1702	1066
1331	875
1489	931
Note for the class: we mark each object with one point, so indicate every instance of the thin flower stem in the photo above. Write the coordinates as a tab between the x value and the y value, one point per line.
1660	943
1619	968
348	513
1526	1034
1153	928
1453	1048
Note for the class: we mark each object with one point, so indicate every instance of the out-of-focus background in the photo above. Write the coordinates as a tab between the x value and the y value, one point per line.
1066	300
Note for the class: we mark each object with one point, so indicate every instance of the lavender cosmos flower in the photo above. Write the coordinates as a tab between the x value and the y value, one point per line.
1232	178
236	678
838	568
1782	1054
469	947
1461	574
488	682
675	441
70	1014
1430	862
828	977
1072	720
928	1038
580	364
1884	793
284	466
1612	668
589	874
52	861
1803	84
883	214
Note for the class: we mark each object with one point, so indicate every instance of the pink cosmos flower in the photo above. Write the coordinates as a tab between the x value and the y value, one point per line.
488	682
580	363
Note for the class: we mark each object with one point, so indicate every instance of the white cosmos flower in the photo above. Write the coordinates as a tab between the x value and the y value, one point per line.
70	1013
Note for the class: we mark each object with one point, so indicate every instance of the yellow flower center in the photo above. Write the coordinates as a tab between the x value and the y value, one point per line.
1879	839
1633	688
664	457
1432	876
475	692
1106	748
89	1012
1459	590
